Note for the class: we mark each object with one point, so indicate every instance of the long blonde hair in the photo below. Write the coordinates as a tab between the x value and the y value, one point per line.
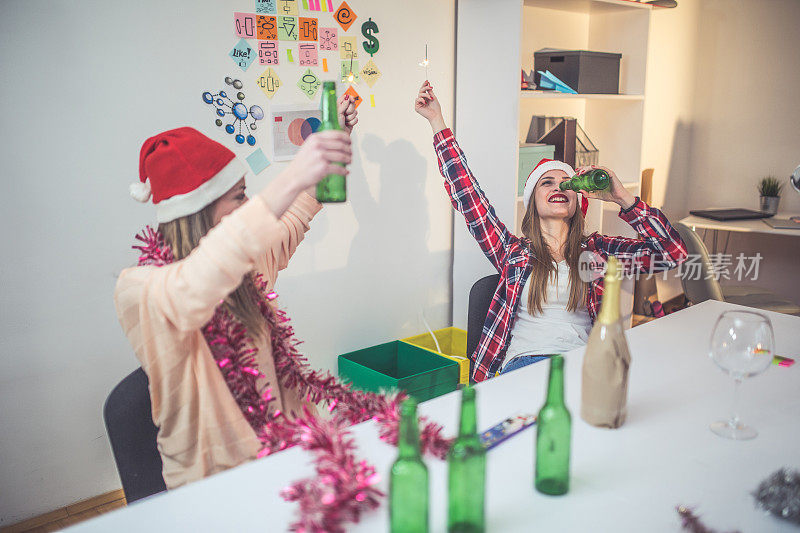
183	235
544	265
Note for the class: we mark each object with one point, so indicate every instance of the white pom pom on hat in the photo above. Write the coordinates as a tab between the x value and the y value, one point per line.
140	191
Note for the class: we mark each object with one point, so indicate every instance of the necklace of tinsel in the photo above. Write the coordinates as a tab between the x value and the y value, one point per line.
344	487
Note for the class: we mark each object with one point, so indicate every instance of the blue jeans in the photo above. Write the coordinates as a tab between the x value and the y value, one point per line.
522	360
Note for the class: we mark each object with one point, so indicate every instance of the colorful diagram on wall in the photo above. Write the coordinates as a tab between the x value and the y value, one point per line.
291	126
239	112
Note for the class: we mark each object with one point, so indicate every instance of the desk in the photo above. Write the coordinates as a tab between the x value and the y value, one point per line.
742	226
629	479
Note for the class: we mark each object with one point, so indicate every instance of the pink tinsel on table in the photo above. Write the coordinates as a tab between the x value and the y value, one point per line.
343	487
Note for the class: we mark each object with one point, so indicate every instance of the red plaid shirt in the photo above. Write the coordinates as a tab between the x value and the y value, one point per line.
660	247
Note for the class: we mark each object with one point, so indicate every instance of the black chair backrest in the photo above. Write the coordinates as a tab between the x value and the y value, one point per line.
129	423
480	297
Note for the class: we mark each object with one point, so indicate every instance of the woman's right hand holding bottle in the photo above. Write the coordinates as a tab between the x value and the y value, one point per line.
317	158
427	105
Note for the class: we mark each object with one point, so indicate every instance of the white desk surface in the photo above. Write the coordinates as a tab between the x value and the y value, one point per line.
629	479
744	226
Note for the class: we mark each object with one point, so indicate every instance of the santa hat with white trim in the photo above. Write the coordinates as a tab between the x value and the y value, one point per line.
544	166
184	171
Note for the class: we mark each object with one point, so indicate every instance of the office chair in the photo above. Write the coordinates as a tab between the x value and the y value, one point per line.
129	423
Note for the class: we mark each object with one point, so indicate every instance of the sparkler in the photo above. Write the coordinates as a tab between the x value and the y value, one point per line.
425	62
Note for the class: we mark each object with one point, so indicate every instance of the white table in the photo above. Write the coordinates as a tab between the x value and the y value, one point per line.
739	226
629	479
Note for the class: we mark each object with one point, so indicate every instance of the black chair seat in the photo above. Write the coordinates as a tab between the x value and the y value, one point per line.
480	297
129	423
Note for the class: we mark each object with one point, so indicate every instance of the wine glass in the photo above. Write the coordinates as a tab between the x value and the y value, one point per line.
742	344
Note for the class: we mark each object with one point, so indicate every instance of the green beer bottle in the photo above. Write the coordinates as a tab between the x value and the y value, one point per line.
594	180
333	187
408	486
466	464
553	429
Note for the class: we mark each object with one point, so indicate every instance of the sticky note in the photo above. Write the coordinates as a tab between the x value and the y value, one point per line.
370	73
265	6
287	7
287	29
308	29
245	25
328	5
348	47
267	29
345	16
347	68
308	54
243	54
328	39
324	65
268	52
258	161
305	5
309	83
353	96
269	82
289	55
372	100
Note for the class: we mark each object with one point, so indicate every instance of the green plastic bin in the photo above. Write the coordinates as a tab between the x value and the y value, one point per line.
398	365
453	345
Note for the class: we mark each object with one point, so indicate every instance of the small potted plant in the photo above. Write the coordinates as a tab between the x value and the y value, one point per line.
770	190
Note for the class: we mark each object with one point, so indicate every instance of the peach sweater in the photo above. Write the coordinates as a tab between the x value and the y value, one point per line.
161	309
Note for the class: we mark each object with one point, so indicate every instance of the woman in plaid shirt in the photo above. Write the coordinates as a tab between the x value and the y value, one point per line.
559	308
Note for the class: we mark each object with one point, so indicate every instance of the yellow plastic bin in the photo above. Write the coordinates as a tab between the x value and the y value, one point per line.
453	345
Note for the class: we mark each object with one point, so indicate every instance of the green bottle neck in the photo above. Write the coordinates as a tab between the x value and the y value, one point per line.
330	113
555	386
408	438
468	426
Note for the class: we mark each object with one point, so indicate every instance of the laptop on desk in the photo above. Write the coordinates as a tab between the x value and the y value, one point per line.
730	214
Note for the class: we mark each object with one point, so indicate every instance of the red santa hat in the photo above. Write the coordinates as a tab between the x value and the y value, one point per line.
544	166
184	171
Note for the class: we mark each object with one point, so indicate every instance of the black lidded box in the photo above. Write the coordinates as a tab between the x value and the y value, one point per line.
586	72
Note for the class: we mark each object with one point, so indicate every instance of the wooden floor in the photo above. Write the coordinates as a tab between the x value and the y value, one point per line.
70	515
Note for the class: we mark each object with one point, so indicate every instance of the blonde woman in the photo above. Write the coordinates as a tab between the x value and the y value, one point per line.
197	304
541	305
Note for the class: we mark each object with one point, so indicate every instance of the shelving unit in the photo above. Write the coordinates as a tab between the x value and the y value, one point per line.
613	122
564	96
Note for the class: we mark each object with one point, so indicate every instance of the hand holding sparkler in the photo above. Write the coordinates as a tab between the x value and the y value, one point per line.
427	105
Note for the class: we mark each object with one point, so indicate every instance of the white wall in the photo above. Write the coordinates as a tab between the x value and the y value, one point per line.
484	111
722	112
83	85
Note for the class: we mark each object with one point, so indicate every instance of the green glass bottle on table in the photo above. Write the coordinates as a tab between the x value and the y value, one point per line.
594	180
553	434
408	485
333	187
466	476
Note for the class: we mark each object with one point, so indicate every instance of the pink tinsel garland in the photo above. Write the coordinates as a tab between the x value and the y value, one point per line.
344	487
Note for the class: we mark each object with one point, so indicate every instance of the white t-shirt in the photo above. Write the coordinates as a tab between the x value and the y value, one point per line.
554	330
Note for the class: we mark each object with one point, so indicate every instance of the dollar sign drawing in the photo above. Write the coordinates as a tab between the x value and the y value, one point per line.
368	29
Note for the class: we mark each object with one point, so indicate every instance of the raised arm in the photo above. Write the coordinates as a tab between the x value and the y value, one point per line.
294	223
659	246
187	292
465	194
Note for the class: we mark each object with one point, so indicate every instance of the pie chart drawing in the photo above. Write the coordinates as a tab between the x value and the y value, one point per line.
299	129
